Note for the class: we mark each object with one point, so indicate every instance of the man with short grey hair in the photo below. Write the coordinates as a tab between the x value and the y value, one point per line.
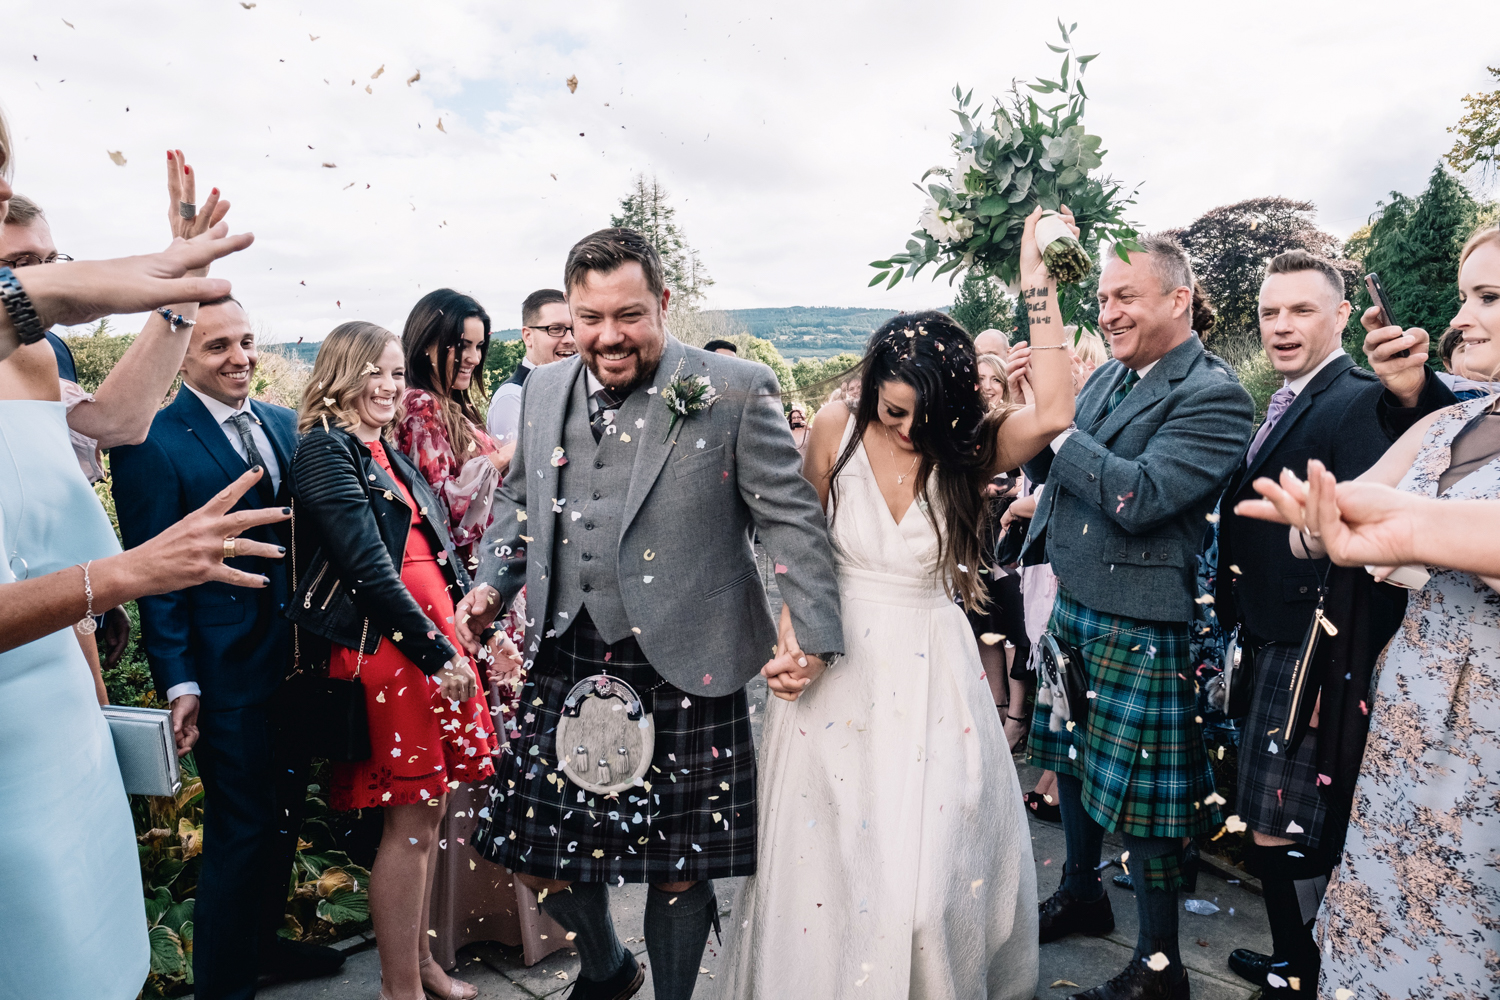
1159	430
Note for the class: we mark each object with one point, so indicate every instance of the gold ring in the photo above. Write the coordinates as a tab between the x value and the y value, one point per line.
229	548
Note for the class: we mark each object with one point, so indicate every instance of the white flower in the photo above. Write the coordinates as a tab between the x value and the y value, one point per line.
940	225
967	163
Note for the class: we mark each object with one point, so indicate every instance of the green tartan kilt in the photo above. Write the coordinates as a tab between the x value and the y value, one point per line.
1141	754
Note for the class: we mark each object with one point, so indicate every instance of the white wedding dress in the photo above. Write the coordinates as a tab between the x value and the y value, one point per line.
895	857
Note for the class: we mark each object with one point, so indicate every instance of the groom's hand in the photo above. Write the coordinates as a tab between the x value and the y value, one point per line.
473	615
791	670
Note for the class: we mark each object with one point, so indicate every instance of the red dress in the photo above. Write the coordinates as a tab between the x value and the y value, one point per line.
420	741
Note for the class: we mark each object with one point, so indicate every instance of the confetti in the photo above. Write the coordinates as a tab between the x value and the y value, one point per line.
247	6
1343	993
559	457
376	75
1234	825
709	679
1157	962
1215	799
780	568
1211	518
331	166
572	82
1065	982
414	78
1292	827
117	156
648	555
1235	570
990	638
624	438
440	127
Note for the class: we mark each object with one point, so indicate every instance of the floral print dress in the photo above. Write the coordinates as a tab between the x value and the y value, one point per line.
1414	909
465	486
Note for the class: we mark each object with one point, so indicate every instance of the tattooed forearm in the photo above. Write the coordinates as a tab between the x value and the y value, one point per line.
1036	299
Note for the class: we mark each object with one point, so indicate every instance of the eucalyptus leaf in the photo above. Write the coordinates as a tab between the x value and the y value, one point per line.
878	279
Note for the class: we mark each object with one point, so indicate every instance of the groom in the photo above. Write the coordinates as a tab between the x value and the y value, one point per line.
630	527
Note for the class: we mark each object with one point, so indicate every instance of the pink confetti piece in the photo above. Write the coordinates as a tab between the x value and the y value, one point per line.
1324	779
708	679
780	568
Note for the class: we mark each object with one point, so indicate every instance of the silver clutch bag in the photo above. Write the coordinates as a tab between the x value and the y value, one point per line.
145	749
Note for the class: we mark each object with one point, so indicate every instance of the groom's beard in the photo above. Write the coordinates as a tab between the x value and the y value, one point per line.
640	364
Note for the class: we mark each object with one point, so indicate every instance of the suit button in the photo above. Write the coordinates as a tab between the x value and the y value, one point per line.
589	525
598	464
596	494
587	556
1301	590
1145	555
586	588
1091	477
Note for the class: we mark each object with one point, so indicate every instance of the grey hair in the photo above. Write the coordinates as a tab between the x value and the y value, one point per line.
1168	259
23	211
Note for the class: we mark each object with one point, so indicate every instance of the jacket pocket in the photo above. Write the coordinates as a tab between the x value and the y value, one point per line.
713	458
738	581
1143	550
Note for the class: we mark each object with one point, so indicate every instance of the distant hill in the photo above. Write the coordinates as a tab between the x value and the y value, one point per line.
812	331
797	331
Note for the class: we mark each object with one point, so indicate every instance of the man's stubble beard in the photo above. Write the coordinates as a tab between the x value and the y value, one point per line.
644	370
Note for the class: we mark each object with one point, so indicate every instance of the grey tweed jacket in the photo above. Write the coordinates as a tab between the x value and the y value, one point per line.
1125	509
703	621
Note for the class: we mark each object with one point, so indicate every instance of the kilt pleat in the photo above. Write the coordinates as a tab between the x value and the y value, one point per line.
1278	789
694	816
1141	753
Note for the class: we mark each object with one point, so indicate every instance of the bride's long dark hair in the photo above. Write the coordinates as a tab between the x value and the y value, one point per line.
952	431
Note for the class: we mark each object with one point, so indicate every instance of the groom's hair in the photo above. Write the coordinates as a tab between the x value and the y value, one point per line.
608	250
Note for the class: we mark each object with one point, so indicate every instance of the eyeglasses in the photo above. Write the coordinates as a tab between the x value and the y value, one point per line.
555	331
29	259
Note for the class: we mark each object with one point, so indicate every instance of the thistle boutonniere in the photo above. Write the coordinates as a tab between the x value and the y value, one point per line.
687	396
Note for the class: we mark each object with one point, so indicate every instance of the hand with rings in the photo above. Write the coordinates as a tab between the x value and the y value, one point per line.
229	548
184	218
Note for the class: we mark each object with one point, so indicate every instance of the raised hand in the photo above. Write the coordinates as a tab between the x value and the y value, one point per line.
1404	377
1033	271
182	185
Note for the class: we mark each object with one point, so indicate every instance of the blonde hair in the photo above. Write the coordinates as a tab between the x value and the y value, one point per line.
1488	234
1090	348
997	363
340	375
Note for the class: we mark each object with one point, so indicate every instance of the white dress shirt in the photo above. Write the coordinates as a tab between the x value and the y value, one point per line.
504	420
1298	384
221	412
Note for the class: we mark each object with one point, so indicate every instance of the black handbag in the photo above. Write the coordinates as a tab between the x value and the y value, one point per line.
1229	692
323	716
1008	547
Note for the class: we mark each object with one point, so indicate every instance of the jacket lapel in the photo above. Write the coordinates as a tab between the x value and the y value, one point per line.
655	443
201	425
283	441
1173	366
1299	406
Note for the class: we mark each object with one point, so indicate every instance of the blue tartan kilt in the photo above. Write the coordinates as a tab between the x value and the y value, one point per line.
1278	789
693	819
1141	753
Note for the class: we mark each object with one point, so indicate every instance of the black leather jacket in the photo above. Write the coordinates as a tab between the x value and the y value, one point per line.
349	538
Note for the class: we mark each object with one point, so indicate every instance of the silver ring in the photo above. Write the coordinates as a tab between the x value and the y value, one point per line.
187	210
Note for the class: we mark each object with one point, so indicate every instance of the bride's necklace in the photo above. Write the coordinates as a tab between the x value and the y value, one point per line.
891	448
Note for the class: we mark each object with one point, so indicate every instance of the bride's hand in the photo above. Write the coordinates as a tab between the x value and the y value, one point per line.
790	672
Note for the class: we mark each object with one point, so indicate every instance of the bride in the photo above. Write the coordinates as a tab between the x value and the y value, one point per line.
895	859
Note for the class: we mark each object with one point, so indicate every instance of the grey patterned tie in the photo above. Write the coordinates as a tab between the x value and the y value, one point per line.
241	422
1281	401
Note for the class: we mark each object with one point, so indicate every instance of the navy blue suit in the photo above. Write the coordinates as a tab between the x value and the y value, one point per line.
235	644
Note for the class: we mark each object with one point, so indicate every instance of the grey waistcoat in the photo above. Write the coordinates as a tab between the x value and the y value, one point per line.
594	483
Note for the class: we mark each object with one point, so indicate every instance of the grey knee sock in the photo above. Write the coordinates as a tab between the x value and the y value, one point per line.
583	908
677	926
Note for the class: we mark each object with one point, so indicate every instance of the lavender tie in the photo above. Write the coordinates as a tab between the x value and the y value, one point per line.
1280	400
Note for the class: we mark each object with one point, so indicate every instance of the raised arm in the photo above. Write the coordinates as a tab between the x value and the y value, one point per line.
124	405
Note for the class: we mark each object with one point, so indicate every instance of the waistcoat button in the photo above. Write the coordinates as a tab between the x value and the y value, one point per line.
586	588
598	464
587	556
596	494
589	525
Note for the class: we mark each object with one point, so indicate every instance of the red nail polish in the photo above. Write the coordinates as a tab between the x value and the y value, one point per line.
186	169
169	154
215	190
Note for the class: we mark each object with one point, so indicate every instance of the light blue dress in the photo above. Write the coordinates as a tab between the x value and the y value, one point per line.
72	913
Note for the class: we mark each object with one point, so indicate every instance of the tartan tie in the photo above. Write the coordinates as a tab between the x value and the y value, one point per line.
608	402
1131	378
263	486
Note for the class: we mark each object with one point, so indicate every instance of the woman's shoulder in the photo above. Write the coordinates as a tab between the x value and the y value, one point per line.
322	440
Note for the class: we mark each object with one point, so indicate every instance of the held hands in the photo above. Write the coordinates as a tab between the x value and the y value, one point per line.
1404	377
474	614
791	670
1033	271
185	722
504	660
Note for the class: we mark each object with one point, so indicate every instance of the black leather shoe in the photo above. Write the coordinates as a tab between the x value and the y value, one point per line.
285	959
624	984
1138	982
1061	914
1250	966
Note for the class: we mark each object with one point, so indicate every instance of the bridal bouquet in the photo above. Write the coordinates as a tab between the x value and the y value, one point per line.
1008	162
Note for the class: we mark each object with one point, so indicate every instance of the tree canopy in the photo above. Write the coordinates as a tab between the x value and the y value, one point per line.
1478	131
982	304
646	209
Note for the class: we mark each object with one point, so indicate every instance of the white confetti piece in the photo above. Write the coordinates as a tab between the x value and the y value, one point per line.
1157	962
1292	827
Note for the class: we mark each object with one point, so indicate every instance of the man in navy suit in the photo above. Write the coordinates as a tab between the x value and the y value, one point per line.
219	654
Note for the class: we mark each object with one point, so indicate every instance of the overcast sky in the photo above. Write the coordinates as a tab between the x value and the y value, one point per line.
788	133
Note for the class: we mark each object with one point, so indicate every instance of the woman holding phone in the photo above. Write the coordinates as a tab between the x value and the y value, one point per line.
377	580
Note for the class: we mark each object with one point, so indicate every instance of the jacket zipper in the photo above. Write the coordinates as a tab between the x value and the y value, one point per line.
331	591
307	601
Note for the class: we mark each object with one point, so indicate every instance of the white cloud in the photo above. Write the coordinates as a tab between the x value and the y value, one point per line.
788	133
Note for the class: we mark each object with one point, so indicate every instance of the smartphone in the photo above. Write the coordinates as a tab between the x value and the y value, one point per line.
1377	296
1405	577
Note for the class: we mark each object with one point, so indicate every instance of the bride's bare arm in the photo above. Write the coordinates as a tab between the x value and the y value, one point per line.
822	451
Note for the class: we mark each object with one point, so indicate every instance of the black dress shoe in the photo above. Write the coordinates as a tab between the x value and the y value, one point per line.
285	959
1138	982
1061	914
625	983
1250	966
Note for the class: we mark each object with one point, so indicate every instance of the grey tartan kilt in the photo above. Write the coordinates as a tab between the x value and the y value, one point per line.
695	818
1278	790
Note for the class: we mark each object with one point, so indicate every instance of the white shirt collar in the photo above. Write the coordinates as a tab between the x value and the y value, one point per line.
1143	372
1300	383
527	362
217	409
590	382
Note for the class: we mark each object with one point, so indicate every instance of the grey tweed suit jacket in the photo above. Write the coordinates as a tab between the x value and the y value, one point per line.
703	621
1123	515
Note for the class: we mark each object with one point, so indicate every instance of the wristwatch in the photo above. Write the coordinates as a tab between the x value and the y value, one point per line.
18	305
829	659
